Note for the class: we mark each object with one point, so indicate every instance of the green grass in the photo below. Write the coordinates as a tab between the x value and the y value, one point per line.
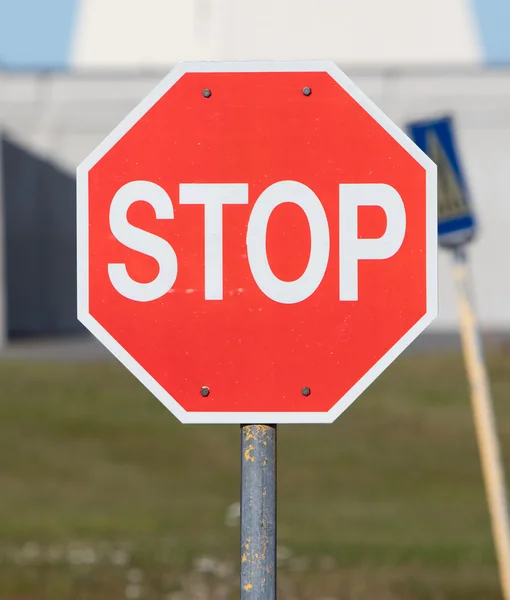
103	494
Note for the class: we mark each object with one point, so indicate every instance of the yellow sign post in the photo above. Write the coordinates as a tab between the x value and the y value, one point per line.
456	226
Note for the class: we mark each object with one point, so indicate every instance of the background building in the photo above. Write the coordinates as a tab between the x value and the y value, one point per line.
131	35
72	69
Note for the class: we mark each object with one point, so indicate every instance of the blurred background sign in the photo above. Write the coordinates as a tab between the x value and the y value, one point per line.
456	223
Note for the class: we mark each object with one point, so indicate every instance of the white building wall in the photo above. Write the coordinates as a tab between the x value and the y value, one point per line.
66	116
133	34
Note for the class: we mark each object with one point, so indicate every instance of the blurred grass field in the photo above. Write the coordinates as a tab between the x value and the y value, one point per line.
104	495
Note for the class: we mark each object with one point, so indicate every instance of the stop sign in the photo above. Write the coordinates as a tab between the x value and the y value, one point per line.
256	242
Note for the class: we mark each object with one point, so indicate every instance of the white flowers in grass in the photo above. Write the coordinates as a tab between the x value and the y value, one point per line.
81	555
282	554
75	553
220	569
119	557
233	515
134	589
29	552
205	564
211	578
55	554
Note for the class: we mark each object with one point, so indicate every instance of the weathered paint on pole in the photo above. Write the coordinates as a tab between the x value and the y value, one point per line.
485	425
258	512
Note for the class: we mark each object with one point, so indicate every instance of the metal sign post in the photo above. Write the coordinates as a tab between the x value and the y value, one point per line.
456	227
258	512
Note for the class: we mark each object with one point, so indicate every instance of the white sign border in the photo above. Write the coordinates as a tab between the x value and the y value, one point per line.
83	225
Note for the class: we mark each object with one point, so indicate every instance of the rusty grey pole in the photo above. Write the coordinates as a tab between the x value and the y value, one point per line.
258	512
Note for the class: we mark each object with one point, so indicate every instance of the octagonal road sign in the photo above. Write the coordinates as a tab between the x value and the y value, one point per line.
257	242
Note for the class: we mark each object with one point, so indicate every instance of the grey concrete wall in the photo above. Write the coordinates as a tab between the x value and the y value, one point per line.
40	232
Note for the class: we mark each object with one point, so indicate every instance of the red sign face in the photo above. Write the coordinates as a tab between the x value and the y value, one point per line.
257	242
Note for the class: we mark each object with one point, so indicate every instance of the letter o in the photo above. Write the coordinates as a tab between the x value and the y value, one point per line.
288	292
